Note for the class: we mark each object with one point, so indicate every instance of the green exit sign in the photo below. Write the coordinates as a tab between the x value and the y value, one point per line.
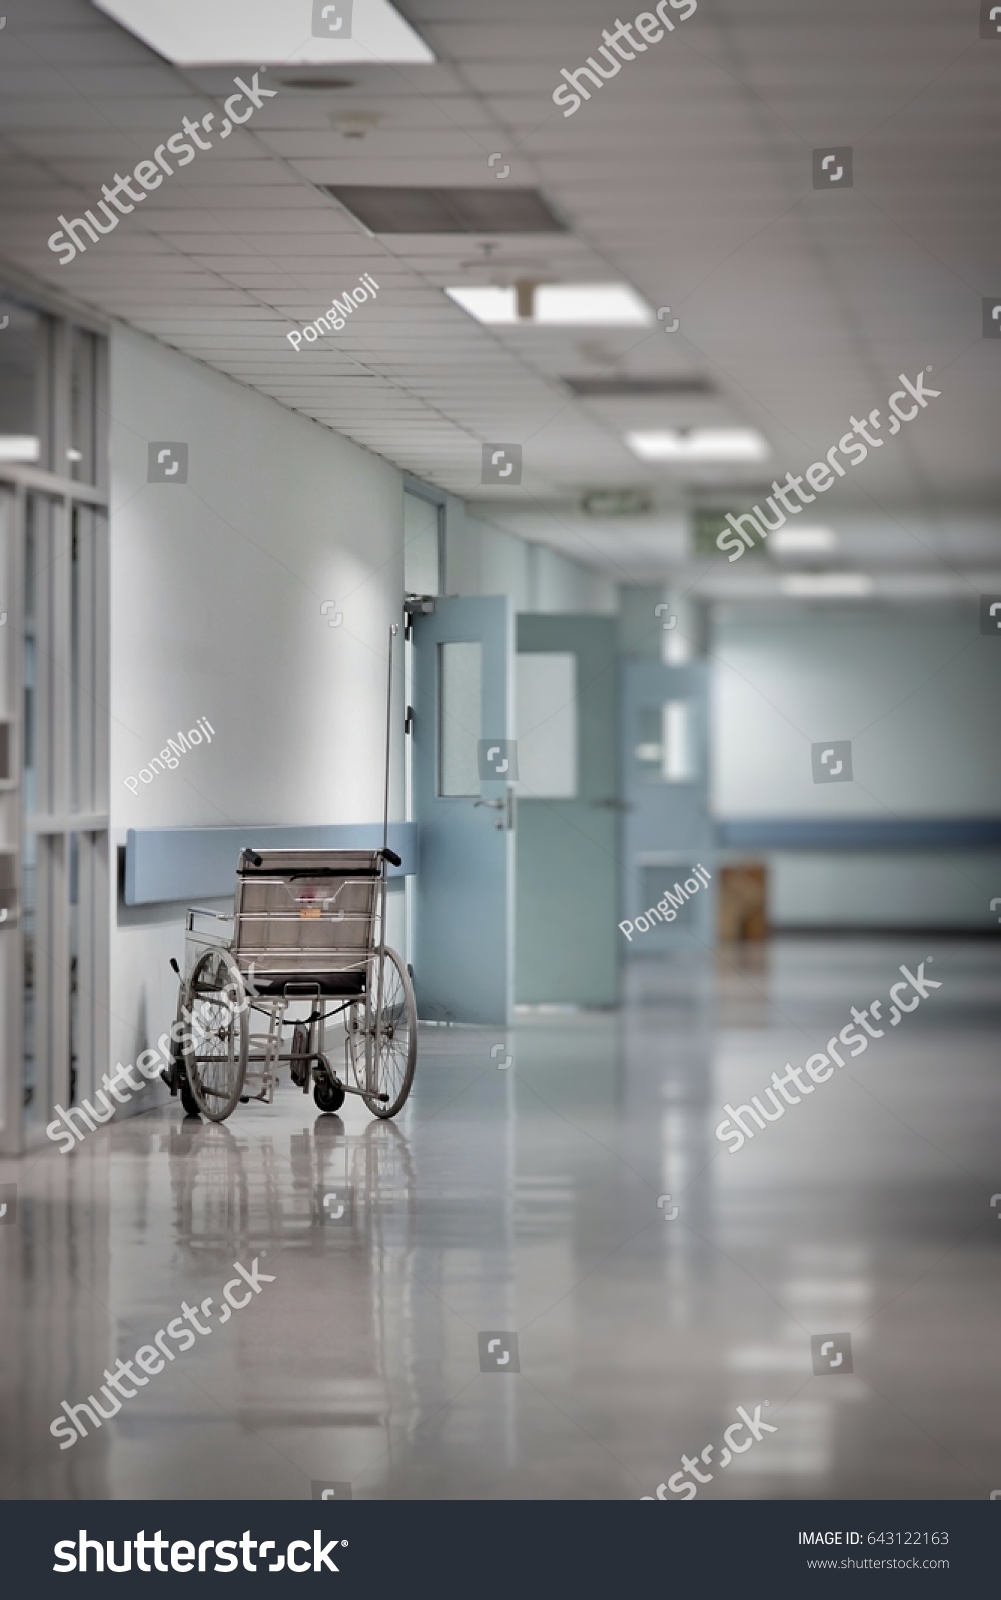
707	527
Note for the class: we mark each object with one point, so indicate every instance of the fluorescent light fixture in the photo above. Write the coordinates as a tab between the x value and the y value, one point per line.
792	540
567	305
824	585
19	447
698	444
202	33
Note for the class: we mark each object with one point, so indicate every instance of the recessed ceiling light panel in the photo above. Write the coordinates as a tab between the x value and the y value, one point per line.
793	540
555	305
826	585
19	447
698	445
205	33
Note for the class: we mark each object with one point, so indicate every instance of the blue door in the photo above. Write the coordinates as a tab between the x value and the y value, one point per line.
568	811
667	829
463	801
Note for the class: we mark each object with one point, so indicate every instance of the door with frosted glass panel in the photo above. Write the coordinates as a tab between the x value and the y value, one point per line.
463	766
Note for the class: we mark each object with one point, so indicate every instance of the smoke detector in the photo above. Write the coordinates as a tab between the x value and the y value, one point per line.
355	124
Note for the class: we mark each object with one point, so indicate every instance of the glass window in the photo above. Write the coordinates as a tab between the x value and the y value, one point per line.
422	563
81	462
667	744
546	727
19	397
678	742
460	702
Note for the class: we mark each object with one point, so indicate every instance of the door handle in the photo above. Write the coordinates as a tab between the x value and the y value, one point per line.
491	805
507	805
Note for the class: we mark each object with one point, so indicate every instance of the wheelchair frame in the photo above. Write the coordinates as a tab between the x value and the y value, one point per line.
307	926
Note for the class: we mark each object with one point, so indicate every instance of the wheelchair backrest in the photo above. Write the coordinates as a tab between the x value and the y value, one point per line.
316	902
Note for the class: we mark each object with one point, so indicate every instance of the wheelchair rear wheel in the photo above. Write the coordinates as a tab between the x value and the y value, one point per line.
382	1036
217	1034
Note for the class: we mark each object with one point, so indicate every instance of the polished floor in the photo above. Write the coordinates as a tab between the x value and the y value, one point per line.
523	1198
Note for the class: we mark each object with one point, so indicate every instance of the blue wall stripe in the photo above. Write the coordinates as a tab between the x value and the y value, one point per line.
192	864
858	833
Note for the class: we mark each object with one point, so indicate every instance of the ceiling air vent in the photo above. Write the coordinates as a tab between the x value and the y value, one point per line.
322	85
679	388
387	210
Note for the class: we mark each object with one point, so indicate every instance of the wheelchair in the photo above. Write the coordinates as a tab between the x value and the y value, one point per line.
308	927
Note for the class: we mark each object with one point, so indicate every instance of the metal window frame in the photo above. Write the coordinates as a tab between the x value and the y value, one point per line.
71	798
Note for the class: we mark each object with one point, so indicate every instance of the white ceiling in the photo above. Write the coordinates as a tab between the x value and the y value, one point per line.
688	175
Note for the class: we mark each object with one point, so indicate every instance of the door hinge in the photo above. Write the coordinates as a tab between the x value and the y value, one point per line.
416	605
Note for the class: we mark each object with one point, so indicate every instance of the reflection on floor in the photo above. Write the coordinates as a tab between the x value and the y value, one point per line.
523	1198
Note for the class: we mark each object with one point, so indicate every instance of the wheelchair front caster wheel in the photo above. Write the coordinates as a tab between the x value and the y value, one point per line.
188	1100
328	1096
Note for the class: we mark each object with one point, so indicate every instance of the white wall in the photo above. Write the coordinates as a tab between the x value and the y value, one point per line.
483	559
217	587
917	693
884	889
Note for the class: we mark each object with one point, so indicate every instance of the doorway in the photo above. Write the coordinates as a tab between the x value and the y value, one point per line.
461	724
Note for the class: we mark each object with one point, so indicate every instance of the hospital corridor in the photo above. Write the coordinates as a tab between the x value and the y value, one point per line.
500	788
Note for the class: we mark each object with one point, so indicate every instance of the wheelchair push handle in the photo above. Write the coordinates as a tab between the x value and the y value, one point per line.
391	856
252	857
